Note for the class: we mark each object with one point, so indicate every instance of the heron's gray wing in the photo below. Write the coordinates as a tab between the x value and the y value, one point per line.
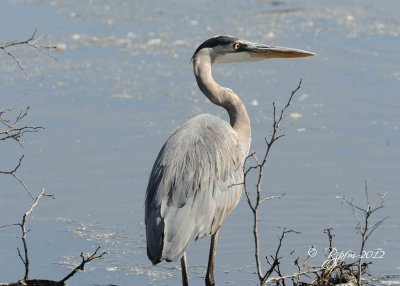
194	185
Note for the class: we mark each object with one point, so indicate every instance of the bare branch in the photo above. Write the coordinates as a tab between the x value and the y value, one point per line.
25	257
333	271
14	131
31	42
330	238
363	226
85	260
374	227
272	198
258	200
291	96
13	173
275	259
294	275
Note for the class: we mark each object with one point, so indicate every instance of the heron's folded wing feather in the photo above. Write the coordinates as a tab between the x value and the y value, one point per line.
195	183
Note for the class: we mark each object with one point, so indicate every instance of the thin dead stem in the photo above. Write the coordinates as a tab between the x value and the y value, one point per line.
85	259
31	42
255	203
25	257
13	129
333	271
363	226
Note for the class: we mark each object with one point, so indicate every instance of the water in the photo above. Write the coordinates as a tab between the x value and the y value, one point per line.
124	83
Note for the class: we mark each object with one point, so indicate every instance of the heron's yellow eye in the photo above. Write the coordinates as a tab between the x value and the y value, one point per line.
236	46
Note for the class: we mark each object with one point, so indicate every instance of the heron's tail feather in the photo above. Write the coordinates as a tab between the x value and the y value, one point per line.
155	237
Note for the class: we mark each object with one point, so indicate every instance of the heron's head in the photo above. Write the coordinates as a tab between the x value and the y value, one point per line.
228	49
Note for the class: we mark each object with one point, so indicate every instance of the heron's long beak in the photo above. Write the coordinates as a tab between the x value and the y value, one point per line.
263	52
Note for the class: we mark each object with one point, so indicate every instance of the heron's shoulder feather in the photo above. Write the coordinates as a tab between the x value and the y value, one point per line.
201	154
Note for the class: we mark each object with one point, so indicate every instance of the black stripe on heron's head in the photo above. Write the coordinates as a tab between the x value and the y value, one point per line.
216	41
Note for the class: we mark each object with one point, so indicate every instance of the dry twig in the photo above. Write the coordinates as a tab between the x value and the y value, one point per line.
42	282
31	42
24	256
363	226
85	260
334	270
13	129
256	203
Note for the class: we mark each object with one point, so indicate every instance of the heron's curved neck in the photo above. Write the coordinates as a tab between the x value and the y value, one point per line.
223	97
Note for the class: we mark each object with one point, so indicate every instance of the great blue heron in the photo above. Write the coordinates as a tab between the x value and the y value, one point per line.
196	179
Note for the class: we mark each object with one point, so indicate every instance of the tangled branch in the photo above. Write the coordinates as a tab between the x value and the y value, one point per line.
31	42
24	256
81	266
334	270
363	226
259	167
13	129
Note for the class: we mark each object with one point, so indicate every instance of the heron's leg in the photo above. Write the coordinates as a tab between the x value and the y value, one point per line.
210	269
185	281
